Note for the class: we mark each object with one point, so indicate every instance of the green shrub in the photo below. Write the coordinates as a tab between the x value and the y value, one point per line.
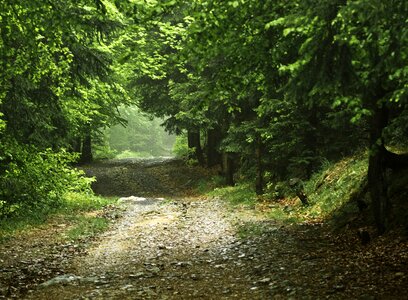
103	152
180	147
31	179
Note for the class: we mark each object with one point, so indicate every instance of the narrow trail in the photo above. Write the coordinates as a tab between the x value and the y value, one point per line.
186	247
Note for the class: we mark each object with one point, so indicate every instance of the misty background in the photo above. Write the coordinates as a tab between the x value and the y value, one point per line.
142	136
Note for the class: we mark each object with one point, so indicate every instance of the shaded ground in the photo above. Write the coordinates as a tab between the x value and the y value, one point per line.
194	248
156	177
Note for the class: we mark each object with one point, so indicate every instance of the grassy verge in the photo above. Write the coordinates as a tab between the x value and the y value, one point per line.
133	154
241	195
329	192
78	210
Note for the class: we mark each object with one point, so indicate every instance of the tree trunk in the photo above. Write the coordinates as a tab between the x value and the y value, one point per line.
194	143
259	167
76	145
377	184
213	140
396	161
86	153
228	167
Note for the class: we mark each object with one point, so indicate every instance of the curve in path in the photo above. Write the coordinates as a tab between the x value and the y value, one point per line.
190	249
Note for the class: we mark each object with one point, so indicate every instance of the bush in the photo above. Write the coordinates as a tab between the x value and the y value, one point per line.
180	147
103	152
31	179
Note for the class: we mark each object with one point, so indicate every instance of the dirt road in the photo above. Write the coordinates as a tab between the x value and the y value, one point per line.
189	247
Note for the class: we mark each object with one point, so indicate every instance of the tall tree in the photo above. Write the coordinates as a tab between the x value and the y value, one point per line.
354	54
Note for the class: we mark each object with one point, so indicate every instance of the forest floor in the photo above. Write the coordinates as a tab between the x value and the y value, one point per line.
167	242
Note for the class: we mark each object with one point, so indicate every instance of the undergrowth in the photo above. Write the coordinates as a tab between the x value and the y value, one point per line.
240	195
329	192
74	208
86	226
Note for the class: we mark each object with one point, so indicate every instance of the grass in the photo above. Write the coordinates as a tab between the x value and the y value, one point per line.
250	229
74	208
240	195
207	186
86	226
329	192
133	154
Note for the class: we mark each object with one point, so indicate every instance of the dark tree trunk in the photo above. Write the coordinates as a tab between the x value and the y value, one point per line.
86	153
213	140
396	161
194	143
76	145
228	166
380	159
377	184
259	182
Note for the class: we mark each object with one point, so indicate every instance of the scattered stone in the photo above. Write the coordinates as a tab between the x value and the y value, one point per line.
265	280
137	275
194	277
339	287
127	287
131	199
62	279
152	252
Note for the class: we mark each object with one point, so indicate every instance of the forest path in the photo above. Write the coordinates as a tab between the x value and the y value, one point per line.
148	177
190	247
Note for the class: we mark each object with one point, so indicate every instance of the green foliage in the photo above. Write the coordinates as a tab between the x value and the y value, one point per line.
71	209
56	82
32	179
330	194
82	202
54	74
132	154
103	151
180	147
86	226
285	85
241	195
208	186
330	189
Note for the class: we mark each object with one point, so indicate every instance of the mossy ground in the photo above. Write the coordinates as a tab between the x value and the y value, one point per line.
332	195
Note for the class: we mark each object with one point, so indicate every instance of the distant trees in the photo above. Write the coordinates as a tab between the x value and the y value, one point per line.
140	136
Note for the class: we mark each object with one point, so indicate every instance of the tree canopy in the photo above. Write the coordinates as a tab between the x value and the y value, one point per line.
267	89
